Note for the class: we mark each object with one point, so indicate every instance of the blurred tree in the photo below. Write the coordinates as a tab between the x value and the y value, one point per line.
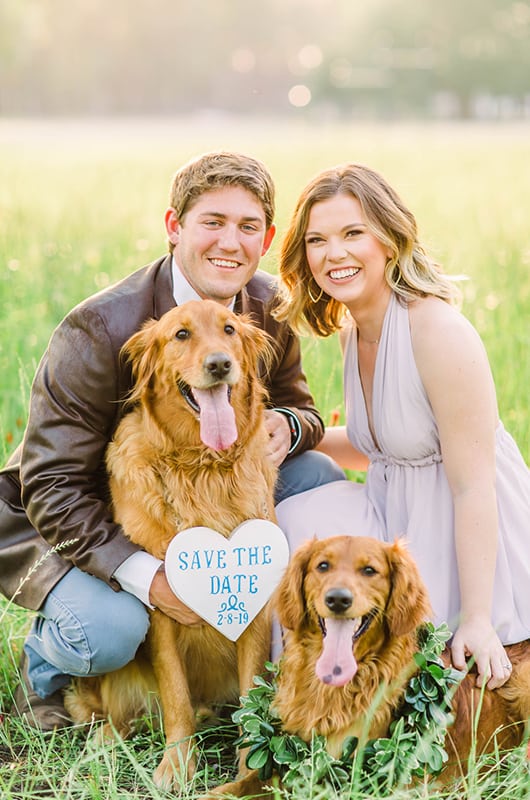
380	58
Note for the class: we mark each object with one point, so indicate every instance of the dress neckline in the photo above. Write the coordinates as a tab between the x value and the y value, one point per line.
370	418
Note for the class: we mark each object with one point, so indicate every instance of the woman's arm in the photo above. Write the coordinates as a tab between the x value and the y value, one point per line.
455	372
336	444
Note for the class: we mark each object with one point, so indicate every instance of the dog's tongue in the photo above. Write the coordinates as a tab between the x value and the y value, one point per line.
337	665
217	418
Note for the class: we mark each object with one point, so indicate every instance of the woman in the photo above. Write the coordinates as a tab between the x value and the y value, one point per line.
421	415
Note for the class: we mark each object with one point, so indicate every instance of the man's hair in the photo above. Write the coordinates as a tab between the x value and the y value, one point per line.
214	171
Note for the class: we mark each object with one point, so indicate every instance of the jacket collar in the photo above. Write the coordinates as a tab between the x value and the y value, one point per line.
163	295
248	301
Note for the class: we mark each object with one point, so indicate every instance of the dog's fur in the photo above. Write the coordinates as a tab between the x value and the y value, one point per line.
383	582
164	479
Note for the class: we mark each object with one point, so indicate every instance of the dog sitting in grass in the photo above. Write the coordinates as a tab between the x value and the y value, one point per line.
190	453
351	608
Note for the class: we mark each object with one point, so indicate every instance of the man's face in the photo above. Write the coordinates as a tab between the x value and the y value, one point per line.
219	241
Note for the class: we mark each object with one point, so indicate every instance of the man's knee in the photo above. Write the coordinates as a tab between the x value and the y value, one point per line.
306	471
115	638
88	629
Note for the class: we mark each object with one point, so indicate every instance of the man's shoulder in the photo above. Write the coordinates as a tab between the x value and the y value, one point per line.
123	307
263	286
138	286
259	299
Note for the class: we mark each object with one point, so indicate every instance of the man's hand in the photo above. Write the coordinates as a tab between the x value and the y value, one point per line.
162	597
279	436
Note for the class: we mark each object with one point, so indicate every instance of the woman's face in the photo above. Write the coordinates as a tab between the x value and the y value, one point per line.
346	260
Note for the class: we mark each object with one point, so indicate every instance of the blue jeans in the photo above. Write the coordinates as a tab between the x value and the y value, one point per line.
306	471
86	628
83	628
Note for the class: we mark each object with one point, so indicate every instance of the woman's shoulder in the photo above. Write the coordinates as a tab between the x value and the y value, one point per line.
443	338
431	318
430	307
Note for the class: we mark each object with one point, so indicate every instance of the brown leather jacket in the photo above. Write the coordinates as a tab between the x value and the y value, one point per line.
76	403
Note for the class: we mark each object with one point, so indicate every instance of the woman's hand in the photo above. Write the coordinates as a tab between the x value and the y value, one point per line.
476	638
162	597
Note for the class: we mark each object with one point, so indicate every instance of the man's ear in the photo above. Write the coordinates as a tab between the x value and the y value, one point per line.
269	236
172	225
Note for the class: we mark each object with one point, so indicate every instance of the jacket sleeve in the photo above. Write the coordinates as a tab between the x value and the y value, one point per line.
74	407
285	381
288	389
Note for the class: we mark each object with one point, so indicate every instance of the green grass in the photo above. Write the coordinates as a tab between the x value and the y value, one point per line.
82	205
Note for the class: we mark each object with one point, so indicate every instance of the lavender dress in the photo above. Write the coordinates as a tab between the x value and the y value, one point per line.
406	491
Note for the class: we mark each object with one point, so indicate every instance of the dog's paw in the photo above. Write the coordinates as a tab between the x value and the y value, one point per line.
249	785
174	769
167	774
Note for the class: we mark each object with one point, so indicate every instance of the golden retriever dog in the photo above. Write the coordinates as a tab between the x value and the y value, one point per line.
350	608
190	453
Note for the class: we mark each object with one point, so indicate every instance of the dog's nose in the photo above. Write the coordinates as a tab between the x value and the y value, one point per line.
338	600
218	365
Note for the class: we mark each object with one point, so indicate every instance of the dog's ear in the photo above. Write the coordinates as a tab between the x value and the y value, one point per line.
288	601
142	350
408	605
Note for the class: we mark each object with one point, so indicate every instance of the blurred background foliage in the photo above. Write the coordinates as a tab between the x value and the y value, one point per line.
379	59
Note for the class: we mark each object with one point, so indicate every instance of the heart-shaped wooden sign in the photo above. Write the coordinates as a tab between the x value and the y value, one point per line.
227	580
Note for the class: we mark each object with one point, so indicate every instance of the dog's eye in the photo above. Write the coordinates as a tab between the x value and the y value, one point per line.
183	333
323	566
368	570
229	329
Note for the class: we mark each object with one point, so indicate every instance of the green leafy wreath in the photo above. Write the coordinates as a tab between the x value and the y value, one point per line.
414	747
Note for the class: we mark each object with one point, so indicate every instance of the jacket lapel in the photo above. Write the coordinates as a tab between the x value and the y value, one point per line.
163	296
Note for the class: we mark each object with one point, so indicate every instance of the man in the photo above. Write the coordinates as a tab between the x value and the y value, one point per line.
91	585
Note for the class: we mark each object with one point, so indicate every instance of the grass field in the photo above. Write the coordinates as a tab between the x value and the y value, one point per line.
81	205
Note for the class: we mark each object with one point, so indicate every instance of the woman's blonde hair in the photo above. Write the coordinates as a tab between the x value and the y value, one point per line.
410	272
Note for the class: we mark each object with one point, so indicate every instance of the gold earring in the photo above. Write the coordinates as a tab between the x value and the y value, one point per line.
310	293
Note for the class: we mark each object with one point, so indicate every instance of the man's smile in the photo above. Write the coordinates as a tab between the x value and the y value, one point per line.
224	263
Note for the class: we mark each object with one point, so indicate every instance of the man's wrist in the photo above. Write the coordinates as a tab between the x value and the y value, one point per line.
295	427
135	575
